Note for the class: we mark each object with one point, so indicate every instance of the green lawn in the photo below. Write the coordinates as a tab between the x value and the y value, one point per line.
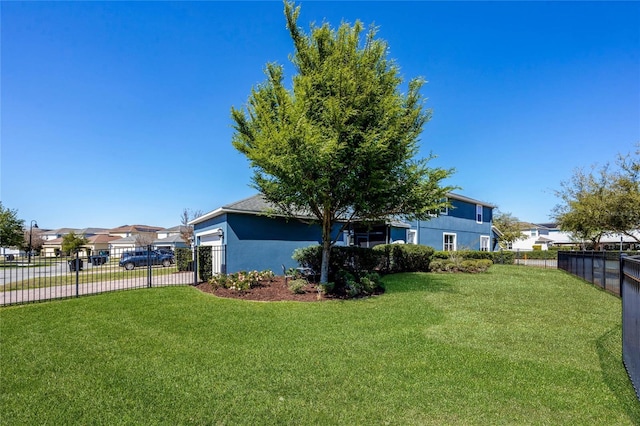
516	345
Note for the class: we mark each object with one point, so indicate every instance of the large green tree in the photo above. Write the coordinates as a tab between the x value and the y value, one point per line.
602	201
11	228
341	143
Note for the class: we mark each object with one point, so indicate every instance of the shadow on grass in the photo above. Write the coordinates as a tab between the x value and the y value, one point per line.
417	282
609	353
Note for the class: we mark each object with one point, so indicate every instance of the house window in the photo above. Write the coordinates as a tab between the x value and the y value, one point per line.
449	242
412	235
478	213
444	210
534	232
484	243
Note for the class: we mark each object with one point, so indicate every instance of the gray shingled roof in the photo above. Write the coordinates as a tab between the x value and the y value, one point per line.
253	204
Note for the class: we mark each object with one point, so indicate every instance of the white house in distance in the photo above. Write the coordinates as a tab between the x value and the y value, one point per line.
545	235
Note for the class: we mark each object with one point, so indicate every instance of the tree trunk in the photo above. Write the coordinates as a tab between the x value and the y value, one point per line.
326	249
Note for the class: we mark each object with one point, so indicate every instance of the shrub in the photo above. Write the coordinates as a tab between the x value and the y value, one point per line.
297	286
241	281
205	266
348	266
468	265
502	257
183	259
404	257
358	261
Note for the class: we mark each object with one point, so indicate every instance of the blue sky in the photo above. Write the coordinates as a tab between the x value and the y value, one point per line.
118	113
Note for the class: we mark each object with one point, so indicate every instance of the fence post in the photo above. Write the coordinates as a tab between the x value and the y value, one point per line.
194	255
77	268
148	266
622	256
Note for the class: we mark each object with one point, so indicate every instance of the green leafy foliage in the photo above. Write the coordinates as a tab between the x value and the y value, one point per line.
241	281
601	201
455	265
184	260
502	257
341	143
405	257
347	268
297	286
205	265
509	228
72	242
11	228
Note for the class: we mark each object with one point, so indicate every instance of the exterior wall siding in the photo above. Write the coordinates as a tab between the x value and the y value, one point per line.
460	220
261	242
255	242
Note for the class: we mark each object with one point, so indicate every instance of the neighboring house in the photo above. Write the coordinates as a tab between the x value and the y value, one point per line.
541	236
132	236
54	234
133	230
170	243
99	243
52	245
170	232
120	245
246	236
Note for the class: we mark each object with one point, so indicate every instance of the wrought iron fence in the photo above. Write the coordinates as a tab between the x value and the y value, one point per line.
542	258
630	286
59	277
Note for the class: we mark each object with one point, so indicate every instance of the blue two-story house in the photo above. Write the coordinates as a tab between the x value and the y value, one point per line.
246	235
464	226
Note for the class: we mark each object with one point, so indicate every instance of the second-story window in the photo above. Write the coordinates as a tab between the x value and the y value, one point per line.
478	213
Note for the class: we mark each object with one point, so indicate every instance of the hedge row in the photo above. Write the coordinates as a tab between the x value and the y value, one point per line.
501	257
404	258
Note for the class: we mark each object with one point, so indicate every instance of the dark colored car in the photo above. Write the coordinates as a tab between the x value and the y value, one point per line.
132	259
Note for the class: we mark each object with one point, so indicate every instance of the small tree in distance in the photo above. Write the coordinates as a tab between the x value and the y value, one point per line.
509	228
186	230
602	201
340	145
72	242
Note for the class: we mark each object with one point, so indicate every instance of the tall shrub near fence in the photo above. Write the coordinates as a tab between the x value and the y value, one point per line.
205	263
184	260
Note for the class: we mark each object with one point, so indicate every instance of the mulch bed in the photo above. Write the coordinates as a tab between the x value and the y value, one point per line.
270	291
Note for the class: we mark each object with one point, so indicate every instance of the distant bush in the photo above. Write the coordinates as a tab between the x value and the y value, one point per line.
455	265
537	254
502	257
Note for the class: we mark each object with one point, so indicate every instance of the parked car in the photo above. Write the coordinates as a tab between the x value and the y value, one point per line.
132	259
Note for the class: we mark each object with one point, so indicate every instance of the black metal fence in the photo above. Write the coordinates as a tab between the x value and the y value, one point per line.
630	286
618	273
47	278
601	268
